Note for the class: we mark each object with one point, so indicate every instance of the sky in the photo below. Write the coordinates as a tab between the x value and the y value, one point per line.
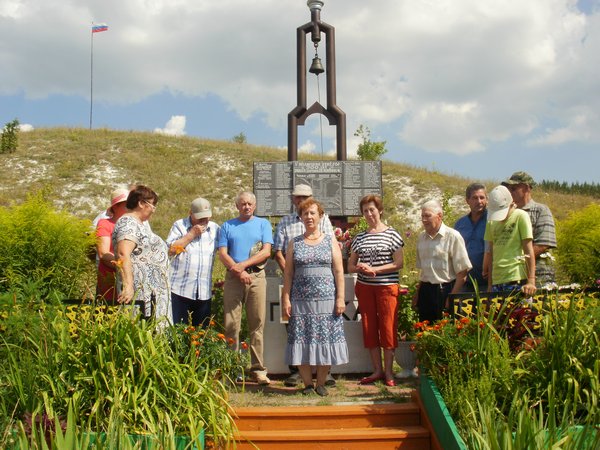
476	88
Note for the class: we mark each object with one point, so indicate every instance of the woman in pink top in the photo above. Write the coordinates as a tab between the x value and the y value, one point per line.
105	288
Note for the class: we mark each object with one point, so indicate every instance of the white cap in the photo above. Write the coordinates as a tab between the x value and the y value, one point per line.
200	208
302	190
499	201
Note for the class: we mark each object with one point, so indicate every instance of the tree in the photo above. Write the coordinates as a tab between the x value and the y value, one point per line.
239	138
367	150
9	137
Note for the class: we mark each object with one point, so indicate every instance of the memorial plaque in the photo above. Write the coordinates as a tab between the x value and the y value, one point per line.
338	185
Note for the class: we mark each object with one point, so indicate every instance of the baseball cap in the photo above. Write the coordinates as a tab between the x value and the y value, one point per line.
200	208
519	178
499	201
302	190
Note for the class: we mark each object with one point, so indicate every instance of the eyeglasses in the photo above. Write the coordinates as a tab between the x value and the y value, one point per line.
150	205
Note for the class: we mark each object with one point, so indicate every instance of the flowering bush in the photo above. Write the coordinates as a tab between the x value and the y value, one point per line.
345	237
210	350
407	315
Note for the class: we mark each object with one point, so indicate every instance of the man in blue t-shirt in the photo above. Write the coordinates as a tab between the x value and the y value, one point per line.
244	245
472	228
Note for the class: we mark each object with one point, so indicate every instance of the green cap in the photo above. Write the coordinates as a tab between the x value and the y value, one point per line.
519	178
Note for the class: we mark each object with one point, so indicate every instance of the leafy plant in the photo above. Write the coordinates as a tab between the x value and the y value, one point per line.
240	138
9	138
43	247
367	149
579	238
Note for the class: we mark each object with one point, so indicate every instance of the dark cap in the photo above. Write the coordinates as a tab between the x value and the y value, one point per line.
519	178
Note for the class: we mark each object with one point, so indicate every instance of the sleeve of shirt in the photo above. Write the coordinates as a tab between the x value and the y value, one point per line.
460	257
525	228
175	233
102	229
222	236
267	232
326	227
545	231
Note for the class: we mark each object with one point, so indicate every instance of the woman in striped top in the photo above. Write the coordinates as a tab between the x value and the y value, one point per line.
376	256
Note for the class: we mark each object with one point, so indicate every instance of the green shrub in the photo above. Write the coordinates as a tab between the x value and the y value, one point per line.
367	149
47	248
9	138
579	245
107	364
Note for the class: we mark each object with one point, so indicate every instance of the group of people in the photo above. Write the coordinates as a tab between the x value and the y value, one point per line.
502	244
496	246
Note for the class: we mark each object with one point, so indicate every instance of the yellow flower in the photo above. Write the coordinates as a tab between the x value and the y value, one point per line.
177	249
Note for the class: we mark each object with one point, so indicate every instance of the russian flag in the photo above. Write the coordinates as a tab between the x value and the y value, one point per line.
99	28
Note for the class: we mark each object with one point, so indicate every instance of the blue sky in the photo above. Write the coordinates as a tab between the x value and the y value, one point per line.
477	88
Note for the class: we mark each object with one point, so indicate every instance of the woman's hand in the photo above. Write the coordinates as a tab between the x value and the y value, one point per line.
340	307
365	269
286	308
126	295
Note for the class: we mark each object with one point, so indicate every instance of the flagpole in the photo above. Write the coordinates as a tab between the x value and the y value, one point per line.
91	73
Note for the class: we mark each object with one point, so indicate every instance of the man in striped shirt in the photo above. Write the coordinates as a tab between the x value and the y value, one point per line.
520	185
444	263
192	244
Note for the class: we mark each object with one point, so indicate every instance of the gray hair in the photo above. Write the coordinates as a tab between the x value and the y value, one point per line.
245	194
474	187
432	205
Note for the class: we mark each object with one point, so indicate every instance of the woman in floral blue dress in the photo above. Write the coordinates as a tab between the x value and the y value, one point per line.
313	299
143	256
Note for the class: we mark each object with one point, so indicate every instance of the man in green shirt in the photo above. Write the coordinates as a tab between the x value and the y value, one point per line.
510	238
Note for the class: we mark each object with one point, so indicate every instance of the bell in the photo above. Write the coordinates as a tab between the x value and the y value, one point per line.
316	67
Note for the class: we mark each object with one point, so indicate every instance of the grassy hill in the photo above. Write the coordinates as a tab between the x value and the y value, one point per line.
77	168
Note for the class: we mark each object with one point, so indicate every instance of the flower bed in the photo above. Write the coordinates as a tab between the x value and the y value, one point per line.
518	370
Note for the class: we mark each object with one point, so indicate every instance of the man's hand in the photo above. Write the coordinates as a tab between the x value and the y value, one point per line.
197	230
238	269
245	278
529	288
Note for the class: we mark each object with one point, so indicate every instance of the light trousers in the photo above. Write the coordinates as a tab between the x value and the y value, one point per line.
253	297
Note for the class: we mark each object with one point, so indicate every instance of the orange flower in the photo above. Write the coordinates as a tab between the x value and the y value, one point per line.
197	352
244	346
459	326
420	334
212	323
231	341
177	249
195	343
118	263
481	325
465	320
221	336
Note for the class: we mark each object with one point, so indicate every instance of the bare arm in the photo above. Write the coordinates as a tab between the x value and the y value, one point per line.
104	254
124	249
288	276
461	278
338	275
487	265
258	258
539	249
529	288
280	259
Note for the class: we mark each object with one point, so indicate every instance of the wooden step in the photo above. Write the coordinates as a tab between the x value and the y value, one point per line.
327	417
379	438
351	426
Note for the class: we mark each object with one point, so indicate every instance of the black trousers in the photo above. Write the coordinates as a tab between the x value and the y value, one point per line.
431	300
183	307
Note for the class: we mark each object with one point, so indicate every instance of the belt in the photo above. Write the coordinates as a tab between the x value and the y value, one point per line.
437	284
253	269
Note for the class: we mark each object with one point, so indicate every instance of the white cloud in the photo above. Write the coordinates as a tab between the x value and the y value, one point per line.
25	127
307	147
174	127
445	76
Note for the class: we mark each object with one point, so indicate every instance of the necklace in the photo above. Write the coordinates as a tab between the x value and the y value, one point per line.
311	239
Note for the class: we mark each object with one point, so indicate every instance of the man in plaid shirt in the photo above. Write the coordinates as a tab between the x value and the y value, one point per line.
192	244
520	185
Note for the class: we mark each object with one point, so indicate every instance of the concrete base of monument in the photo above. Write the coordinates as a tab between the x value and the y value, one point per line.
275	336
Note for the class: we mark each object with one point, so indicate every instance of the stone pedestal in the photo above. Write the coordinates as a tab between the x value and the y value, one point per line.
275	336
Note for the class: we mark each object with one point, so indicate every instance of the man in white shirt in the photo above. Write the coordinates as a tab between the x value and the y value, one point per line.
192	244
443	260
